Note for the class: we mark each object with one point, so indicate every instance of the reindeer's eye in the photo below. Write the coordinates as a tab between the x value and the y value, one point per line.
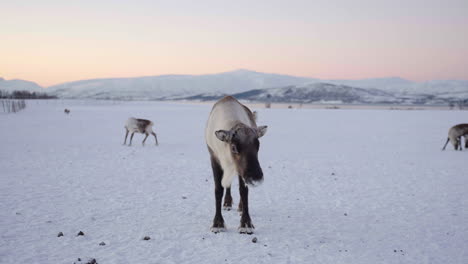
234	149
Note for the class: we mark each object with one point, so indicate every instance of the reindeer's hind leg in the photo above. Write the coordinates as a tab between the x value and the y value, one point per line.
155	137
145	139
466	142
131	137
458	143
126	135
227	200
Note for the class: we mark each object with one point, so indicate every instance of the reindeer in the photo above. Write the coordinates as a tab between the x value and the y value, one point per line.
454	136
141	126
232	135
66	111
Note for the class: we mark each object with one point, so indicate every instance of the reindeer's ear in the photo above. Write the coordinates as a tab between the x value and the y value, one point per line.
261	130
224	135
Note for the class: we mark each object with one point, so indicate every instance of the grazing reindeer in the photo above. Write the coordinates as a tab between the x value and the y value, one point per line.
454	136
66	111
232	138
141	126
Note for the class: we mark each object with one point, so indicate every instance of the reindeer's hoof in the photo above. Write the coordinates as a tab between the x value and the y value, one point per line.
246	230
218	226
227	205
217	230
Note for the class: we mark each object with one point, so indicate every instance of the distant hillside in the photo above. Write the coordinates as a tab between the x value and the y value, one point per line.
173	86
329	93
255	86
251	85
19	85
319	93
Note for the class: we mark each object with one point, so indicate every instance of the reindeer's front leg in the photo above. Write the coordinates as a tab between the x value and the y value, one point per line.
246	226
218	221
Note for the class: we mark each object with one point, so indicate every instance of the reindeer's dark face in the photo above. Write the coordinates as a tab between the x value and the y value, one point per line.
244	145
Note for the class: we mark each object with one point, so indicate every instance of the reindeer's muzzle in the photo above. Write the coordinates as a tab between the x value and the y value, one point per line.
253	177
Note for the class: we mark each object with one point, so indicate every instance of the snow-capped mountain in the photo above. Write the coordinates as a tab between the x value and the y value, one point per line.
212	86
19	85
331	93
173	86
401	86
251	85
319	93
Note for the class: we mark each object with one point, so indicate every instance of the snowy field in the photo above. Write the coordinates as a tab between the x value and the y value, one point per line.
341	186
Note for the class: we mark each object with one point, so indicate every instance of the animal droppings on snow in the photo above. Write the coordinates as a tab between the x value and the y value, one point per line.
102	244
345	214
90	261
60	234
254	240
184	197
146	238
80	233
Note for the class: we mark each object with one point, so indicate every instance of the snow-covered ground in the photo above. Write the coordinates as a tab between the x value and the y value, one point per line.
341	186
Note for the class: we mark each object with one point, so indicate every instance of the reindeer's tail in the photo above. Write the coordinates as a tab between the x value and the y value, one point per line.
446	143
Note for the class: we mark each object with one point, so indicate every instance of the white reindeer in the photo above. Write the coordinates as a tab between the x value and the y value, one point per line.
142	126
455	134
232	138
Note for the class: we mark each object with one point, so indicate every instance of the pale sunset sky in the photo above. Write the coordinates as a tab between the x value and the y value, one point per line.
51	42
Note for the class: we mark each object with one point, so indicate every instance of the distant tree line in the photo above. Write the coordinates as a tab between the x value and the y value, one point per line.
25	95
461	104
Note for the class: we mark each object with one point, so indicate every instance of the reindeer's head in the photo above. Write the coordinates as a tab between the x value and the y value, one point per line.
244	145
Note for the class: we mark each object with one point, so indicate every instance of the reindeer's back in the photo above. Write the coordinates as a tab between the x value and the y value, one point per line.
225	114
458	130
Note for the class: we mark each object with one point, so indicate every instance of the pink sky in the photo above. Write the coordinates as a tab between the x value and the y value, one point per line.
50	42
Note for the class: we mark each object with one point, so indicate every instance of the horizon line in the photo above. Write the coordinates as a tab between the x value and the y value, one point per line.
231	71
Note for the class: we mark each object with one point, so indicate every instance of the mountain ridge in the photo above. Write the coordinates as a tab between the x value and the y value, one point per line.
191	87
